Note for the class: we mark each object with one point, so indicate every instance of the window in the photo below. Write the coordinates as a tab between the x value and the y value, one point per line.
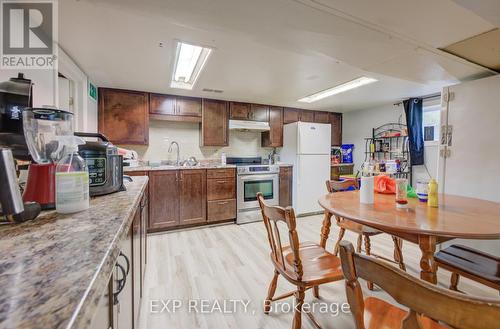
431	121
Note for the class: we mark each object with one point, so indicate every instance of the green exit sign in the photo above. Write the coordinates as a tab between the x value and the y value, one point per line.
92	91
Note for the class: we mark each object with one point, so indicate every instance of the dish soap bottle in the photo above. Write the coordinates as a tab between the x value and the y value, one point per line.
432	197
72	178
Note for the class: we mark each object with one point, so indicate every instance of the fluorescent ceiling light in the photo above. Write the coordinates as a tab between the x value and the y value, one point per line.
338	89
189	61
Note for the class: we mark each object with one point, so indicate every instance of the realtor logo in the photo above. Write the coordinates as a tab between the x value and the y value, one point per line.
28	31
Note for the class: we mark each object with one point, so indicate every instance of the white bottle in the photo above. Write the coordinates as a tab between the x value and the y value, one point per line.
223	159
72	178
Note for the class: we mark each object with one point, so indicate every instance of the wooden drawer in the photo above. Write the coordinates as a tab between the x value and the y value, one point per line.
221	173
221	188
221	210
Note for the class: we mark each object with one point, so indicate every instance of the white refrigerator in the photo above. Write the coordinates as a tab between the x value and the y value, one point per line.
307	147
469	160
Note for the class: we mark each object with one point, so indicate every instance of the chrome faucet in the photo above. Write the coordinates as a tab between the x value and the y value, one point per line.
170	150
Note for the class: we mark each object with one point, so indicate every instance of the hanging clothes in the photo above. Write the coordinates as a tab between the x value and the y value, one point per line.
414	112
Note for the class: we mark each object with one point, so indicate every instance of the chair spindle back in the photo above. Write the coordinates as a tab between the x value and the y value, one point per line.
272	215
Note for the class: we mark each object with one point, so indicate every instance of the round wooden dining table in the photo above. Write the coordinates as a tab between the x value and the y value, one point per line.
456	217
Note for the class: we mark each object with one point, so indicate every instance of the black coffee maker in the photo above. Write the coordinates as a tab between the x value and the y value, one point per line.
15	96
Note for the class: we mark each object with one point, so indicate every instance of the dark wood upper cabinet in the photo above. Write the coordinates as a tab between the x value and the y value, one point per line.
188	106
321	117
175	108
306	116
274	137
162	104
163	199
214	123
124	116
336	121
193	196
286	180
291	115
239	111
259	113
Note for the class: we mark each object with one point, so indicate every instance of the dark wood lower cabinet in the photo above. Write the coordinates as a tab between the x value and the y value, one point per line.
136	263
163	199
220	210
119	308
181	198
286	185
193	196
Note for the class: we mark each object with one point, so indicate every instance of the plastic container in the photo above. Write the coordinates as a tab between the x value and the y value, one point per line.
347	153
72	178
223	159
422	190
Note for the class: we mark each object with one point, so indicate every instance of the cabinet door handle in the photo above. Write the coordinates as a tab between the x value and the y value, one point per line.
222	203
221	182
126	261
121	284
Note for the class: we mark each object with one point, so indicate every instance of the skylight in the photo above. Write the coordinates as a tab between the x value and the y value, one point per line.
189	61
338	89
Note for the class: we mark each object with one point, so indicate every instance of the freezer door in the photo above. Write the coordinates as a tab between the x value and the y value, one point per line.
314	138
312	173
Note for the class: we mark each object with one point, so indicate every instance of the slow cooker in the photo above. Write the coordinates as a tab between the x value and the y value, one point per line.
104	163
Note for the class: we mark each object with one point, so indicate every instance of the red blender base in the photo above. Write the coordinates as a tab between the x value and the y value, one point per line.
41	185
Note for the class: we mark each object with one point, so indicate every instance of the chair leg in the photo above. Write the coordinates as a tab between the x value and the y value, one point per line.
299	301
316	291
359	243
368	249
270	293
454	281
337	245
398	253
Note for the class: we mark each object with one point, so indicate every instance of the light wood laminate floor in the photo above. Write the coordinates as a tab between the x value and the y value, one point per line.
232	262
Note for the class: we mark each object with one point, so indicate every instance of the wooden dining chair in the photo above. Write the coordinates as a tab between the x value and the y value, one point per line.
430	307
305	265
363	231
468	262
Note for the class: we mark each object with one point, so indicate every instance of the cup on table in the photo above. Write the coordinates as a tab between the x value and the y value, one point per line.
401	193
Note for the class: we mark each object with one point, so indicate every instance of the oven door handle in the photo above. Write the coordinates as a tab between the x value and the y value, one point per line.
258	177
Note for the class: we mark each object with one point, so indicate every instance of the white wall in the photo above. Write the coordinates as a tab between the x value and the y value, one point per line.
188	137
46	90
357	125
44	81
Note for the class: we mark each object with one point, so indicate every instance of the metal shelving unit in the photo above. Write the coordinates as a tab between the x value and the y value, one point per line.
390	143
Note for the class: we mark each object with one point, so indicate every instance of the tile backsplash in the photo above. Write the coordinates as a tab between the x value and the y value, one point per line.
161	133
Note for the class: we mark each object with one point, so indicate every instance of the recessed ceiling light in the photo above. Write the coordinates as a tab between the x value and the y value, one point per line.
189	61
338	89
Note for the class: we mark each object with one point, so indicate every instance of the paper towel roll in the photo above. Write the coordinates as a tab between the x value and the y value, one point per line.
366	190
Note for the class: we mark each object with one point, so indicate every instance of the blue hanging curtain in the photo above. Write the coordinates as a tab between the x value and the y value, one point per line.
413	111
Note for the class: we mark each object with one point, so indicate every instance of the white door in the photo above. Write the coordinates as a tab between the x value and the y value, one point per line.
472	168
314	138
312	173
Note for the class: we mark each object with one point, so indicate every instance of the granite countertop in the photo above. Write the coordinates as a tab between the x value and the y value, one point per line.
54	270
210	166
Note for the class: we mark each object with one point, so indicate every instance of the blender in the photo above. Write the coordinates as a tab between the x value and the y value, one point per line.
42	130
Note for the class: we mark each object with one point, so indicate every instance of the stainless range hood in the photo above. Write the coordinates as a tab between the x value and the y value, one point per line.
243	125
